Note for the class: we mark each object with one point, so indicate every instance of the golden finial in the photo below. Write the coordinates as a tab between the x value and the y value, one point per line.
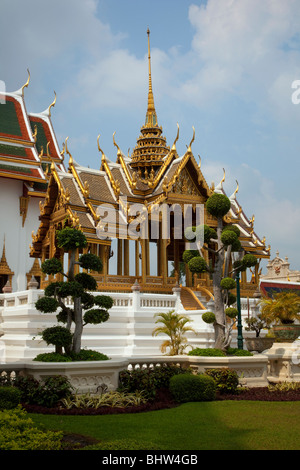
48	154
176	139
199	166
193	138
116	145
67	151
41	152
27	83
223	179
62	153
99	148
151	114
237	188
252	220
34	133
52	104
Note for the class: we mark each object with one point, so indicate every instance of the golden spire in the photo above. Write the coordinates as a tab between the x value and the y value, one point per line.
151	118
151	146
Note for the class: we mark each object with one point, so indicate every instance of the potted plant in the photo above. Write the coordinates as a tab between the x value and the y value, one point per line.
282	311
259	343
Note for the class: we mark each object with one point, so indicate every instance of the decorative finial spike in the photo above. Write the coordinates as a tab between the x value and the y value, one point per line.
52	104
151	113
27	83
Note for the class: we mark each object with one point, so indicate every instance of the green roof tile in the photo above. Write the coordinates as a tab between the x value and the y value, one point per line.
9	123
12	150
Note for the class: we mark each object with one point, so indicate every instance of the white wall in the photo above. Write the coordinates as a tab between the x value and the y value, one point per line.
17	238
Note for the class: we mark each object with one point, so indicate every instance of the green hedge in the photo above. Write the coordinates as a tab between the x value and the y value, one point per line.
149	380
187	388
10	397
226	379
18	432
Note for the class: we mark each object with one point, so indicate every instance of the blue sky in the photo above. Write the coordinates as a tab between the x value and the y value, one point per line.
225	67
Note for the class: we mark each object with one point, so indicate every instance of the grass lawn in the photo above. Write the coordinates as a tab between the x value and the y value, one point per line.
217	425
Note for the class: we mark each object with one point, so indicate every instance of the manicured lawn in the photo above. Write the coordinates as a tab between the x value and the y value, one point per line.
217	425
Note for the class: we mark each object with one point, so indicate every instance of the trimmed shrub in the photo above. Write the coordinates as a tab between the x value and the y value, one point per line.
197	265
52	357
249	260
44	393
96	316
238	352
104	301
70	239
209	317
57	335
10	397
89	355
206	352
231	312
218	205
69	289
188	387
92	262
228	237
18	432
228	283
226	379
189	254
87	281
47	304
231	298
149	380
52	266
233	228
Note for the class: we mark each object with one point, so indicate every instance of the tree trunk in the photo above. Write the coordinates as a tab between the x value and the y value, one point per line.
78	325
220	323
76	346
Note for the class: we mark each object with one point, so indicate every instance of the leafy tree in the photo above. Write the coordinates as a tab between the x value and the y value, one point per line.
221	242
175	326
77	287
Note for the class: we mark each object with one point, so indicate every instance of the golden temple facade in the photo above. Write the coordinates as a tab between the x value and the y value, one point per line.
152	176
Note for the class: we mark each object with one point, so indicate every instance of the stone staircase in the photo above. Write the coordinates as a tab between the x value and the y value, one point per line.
190	301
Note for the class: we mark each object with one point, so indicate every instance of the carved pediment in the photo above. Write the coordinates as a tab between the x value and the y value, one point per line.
184	184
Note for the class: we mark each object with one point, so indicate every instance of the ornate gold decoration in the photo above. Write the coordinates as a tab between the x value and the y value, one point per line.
173	149
48	153
116	145
67	151
52	104
184	184
62	153
237	188
193	138
4	267
99	148
34	134
27	83
34	271
151	146
24	200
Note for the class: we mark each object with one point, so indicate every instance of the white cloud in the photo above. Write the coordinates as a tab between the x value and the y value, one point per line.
244	48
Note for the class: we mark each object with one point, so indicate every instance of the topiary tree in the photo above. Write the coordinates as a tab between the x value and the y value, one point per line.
76	286
221	242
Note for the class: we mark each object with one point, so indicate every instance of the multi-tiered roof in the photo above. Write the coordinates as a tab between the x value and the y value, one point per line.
27	142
